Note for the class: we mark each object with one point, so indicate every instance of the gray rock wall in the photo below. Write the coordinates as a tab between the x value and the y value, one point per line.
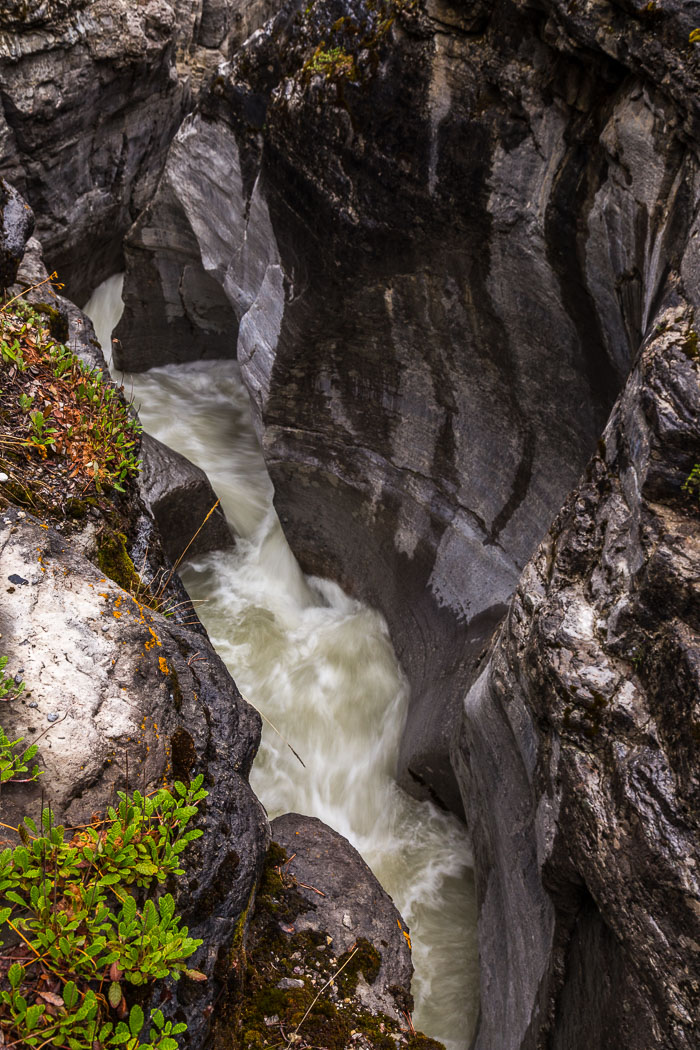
577	751
91	93
439	270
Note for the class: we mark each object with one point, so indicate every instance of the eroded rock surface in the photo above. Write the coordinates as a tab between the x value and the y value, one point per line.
438	237
579	744
91	95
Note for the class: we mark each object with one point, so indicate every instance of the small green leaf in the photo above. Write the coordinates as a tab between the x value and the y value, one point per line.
70	995
15	975
136	1019
121	1034
32	1016
115	994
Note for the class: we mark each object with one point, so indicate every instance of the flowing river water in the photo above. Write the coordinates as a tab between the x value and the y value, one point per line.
320	666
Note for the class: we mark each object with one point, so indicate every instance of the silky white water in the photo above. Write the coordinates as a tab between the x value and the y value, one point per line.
321	668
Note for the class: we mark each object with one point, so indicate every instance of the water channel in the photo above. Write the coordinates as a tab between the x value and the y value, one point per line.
320	666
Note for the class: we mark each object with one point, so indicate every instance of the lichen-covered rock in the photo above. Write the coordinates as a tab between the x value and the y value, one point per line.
346	903
180	496
579	750
118	694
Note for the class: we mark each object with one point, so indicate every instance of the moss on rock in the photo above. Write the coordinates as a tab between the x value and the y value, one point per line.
284	986
114	561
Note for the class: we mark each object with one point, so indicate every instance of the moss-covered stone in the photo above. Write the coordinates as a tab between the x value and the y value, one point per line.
284	985
363	959
114	561
58	325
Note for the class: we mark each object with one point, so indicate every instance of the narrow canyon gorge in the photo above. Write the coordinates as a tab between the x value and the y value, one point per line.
413	284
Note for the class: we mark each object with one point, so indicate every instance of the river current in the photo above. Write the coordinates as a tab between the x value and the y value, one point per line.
321	668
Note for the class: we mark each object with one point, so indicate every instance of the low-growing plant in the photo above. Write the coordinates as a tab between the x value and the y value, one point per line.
41	433
83	924
691	485
14	763
83	416
331	63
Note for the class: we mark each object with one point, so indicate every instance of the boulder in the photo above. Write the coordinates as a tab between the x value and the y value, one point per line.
180	496
119	695
347	904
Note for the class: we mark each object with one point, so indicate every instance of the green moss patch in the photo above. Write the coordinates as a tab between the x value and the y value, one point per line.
285	988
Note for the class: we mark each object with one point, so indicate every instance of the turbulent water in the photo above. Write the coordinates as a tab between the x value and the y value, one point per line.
321	669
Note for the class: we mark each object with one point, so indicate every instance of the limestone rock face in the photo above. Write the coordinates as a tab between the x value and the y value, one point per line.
16	225
579	743
353	907
91	95
438	236
180	496
114	691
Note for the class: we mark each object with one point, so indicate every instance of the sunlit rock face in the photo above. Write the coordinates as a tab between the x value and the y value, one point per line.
435	264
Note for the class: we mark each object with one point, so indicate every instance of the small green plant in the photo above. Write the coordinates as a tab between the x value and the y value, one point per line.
694	37
84	909
691	485
9	688
13	764
41	433
83	417
331	63
12	353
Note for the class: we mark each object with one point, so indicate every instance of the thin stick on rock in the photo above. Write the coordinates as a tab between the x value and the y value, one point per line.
330	980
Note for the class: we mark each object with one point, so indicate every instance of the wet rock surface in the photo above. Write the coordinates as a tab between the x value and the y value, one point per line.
579	743
16	226
180	496
92	93
436	304
347	904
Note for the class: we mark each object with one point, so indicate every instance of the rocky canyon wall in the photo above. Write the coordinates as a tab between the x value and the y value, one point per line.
435	238
91	94
441	240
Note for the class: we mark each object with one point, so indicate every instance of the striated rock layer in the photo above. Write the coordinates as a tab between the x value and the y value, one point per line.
91	93
434	237
439	240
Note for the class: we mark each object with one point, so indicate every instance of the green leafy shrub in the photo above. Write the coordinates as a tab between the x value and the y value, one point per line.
691	485
13	764
83	927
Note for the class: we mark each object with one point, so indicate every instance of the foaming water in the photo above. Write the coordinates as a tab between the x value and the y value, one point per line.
321	668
